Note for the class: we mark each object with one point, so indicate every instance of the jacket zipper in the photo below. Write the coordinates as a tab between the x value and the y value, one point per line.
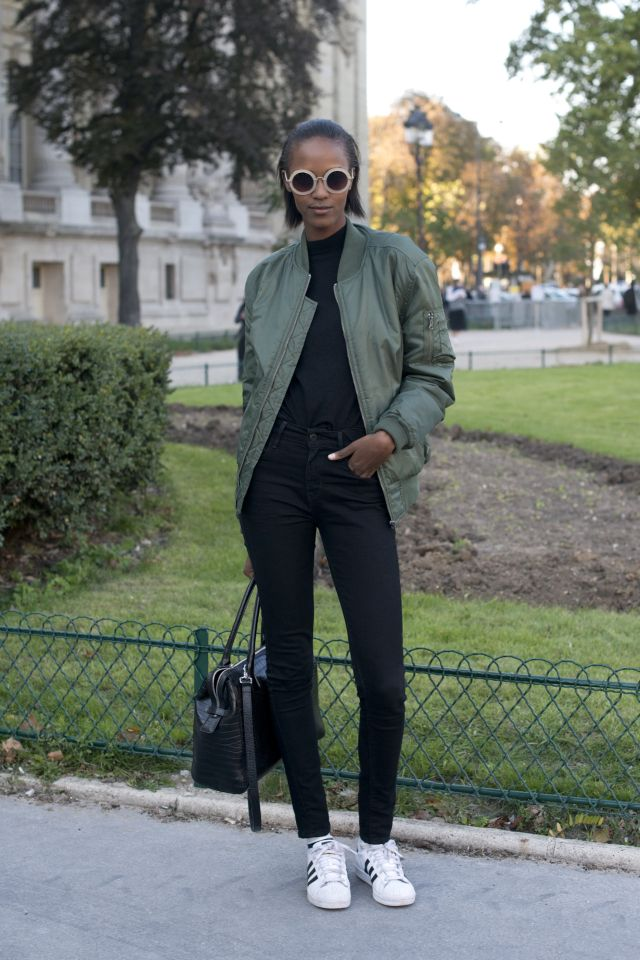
392	523
276	368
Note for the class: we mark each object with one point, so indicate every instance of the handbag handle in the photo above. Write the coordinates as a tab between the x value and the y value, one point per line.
253	633
246	683
251	652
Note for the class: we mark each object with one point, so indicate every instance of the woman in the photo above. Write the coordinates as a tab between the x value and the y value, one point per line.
347	369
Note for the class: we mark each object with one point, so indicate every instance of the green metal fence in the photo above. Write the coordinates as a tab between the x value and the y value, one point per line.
499	727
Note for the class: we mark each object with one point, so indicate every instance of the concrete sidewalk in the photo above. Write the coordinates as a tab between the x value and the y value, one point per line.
86	881
534	338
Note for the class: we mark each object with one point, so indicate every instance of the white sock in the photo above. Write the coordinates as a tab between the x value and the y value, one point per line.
311	840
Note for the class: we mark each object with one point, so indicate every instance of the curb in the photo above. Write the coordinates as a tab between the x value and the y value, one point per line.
432	834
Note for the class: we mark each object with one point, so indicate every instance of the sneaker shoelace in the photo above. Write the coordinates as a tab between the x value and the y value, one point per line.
386	859
328	859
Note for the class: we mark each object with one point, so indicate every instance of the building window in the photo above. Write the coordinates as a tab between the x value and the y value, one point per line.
35	276
15	148
103	277
170	281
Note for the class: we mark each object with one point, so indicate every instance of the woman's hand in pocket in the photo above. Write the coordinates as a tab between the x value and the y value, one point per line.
367	453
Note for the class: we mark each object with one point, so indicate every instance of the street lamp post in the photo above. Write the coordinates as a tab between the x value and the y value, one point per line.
519	205
418	133
482	246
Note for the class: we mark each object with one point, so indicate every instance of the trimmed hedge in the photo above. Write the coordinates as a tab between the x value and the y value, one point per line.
82	419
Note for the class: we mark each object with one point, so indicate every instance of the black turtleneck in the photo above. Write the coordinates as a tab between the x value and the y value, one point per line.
321	392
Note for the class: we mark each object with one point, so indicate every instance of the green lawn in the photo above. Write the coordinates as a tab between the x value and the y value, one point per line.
226	393
196	579
592	407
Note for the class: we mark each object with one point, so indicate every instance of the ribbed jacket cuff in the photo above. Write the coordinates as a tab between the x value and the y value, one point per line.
395	429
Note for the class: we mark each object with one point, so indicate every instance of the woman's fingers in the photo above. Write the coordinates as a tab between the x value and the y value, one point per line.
345	452
248	568
366	453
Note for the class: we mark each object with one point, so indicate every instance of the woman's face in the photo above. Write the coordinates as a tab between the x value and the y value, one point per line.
322	212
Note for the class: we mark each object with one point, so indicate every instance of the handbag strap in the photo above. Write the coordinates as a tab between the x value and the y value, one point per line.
226	656
246	684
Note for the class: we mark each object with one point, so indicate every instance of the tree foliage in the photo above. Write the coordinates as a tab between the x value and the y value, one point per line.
472	190
132	87
591	50
449	178
129	87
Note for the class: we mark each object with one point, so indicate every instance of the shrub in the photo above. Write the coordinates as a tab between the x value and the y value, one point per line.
82	419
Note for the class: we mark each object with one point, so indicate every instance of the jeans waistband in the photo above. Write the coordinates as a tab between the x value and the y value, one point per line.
312	434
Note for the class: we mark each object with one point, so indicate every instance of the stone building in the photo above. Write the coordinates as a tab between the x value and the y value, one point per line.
58	251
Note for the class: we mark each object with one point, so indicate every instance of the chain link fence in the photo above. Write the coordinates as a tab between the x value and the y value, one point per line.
498	727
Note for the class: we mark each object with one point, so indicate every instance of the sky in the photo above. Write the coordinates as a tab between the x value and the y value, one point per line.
455	51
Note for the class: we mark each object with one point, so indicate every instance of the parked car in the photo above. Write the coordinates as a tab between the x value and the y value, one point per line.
553	292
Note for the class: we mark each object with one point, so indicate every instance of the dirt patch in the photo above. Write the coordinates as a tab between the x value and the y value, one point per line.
609	470
204	426
496	520
502	516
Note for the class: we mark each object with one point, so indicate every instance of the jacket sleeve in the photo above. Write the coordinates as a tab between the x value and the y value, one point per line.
426	388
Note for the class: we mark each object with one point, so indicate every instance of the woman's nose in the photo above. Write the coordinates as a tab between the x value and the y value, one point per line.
320	189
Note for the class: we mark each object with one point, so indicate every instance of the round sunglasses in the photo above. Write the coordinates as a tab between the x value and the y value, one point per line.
304	182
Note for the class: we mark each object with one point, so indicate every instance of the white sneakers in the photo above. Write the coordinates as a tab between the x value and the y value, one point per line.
378	864
327	880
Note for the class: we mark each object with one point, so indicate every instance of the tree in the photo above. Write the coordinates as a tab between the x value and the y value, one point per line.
450	177
131	88
523	197
474	191
591	50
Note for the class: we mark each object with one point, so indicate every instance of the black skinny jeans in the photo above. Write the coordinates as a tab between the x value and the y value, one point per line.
294	490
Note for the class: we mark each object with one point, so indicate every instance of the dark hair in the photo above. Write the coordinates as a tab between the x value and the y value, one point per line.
330	131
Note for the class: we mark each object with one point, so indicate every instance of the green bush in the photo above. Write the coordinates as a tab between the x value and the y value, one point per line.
82	419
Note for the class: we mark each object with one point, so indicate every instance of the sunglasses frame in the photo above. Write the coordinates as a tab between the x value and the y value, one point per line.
305	193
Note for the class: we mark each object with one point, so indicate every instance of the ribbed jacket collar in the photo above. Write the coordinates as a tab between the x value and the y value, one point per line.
355	243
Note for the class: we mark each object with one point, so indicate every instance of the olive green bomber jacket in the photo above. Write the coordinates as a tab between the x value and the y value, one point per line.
397	343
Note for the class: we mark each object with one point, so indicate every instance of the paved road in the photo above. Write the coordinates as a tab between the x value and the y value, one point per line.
489	349
80	882
196	369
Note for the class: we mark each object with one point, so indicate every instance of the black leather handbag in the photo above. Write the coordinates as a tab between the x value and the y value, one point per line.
234	740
